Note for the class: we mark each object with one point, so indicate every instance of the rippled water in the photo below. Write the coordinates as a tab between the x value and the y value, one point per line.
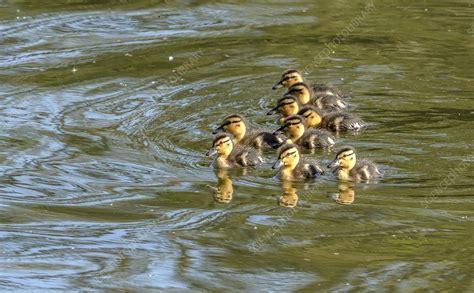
104	182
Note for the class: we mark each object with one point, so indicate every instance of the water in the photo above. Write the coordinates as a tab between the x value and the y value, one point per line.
106	111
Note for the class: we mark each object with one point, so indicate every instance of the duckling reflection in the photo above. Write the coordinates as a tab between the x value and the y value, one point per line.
346	194
224	191
289	198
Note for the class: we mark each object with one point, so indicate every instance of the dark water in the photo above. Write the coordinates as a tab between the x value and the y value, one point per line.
104	183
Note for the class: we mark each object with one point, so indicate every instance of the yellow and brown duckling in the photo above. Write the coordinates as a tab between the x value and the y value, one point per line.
229	156
236	125
293	167
286	106
327	103
337	121
348	168
295	129
292	76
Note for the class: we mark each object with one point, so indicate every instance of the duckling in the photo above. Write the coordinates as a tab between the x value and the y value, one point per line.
286	106
349	169
293	167
337	121
294	128
292	76
327	103
229	156
236	125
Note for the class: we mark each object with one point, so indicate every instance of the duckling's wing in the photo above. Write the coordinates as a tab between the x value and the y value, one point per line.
262	139
318	138
321	89
355	124
366	170
342	121
330	103
352	122
246	156
328	89
331	121
269	139
312	167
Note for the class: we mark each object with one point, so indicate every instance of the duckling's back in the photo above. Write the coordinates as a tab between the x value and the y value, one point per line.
245	156
261	139
329	103
324	89
342	121
365	170
307	168
316	138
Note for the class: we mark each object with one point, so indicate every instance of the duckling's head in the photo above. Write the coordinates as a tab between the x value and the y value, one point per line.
293	127
222	145
302	91
288	78
286	106
312	116
235	124
345	158
288	157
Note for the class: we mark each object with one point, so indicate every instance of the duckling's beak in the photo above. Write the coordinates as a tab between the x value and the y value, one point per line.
273	111
218	129
211	152
279	130
278	164
334	163
277	85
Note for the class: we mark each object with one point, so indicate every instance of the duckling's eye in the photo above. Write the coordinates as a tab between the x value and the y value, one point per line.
293	154
346	155
222	142
285	104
